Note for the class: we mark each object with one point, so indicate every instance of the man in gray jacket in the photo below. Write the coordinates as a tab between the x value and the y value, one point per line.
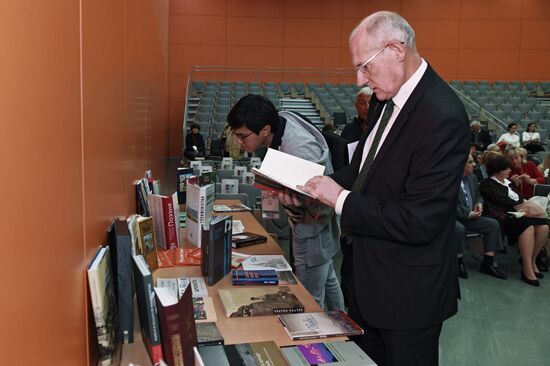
315	231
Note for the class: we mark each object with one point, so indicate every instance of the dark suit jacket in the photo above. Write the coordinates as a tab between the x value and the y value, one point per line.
484	138
402	223
338	150
353	131
463	210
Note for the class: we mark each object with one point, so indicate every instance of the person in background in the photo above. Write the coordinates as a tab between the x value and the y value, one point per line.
352	131
479	136
315	230
494	147
194	143
544	168
531	139
228	144
524	173
397	198
481	168
337	146
469	218
530	233
510	137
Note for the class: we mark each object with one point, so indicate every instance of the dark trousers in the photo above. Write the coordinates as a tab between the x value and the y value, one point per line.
389	347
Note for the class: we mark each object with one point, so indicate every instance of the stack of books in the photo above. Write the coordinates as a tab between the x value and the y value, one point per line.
263	277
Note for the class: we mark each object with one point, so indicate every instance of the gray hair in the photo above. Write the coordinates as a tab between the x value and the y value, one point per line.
475	123
387	25
364	91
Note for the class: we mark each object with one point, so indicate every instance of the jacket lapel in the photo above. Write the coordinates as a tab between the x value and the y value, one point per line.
402	118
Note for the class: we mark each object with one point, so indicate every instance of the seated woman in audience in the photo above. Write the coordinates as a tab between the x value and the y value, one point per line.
510	138
544	168
525	174
530	233
481	169
194	143
531	139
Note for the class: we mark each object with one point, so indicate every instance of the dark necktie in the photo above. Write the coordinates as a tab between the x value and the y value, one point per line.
372	151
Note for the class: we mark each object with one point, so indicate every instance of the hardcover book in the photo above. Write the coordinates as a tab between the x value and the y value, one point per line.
102	294
247	238
182	175
216	249
146	241
179	334
141	187
165	211
204	310
208	334
257	301
200	202
281	170
265	277
249	354
286	278
147	309
120	244
339	353
319	325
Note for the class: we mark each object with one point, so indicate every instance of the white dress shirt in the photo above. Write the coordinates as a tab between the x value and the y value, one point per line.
399	100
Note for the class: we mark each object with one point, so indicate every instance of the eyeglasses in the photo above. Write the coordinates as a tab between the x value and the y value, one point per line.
364	67
242	137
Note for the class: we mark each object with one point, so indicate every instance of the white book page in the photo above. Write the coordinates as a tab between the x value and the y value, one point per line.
289	170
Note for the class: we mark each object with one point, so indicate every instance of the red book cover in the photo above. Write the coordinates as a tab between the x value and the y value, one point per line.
170	227
177	326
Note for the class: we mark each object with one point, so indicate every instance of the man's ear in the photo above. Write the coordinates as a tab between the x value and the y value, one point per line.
399	50
265	130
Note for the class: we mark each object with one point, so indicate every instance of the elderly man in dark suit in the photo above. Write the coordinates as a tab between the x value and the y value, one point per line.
479	137
468	215
397	199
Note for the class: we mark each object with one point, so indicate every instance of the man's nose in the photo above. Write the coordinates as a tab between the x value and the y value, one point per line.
362	79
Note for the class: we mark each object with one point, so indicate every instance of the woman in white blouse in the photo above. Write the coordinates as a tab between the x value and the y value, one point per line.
531	139
511	137
499	200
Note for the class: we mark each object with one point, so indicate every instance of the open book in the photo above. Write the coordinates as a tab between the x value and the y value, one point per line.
280	170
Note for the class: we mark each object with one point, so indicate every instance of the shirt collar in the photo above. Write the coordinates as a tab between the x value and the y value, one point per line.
406	89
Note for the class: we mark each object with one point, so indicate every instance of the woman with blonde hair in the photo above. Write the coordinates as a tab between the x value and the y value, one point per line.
545	168
525	174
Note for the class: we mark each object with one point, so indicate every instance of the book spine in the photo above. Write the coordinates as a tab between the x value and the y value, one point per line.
124	283
156	208
152	313
169	222
202	206
260	281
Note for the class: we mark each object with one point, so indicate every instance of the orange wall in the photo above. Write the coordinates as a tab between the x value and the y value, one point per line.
463	39
83	85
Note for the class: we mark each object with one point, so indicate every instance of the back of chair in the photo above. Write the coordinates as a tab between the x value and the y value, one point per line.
541	189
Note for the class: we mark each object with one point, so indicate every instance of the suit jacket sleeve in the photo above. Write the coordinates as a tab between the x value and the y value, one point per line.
462	211
417	215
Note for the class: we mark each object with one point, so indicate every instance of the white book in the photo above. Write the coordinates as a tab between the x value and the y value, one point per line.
282	169
261	262
230	186
200	203
237	227
179	284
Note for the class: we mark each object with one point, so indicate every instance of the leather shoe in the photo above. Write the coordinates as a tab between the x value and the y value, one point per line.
535	283
462	271
539	275
491	270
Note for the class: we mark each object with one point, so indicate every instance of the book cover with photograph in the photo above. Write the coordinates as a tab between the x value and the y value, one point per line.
182	175
249	354
259	262
146	241
102	294
319	325
216	249
258	301
333	353
204	310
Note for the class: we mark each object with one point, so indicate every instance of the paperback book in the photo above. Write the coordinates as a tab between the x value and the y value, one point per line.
179	285
208	334
264	277
319	325
259	262
147	309
338	353
102	294
249	354
258	301
182	175
200	202
179	257
280	170
232	208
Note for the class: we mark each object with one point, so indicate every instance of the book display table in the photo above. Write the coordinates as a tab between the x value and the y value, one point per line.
233	330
